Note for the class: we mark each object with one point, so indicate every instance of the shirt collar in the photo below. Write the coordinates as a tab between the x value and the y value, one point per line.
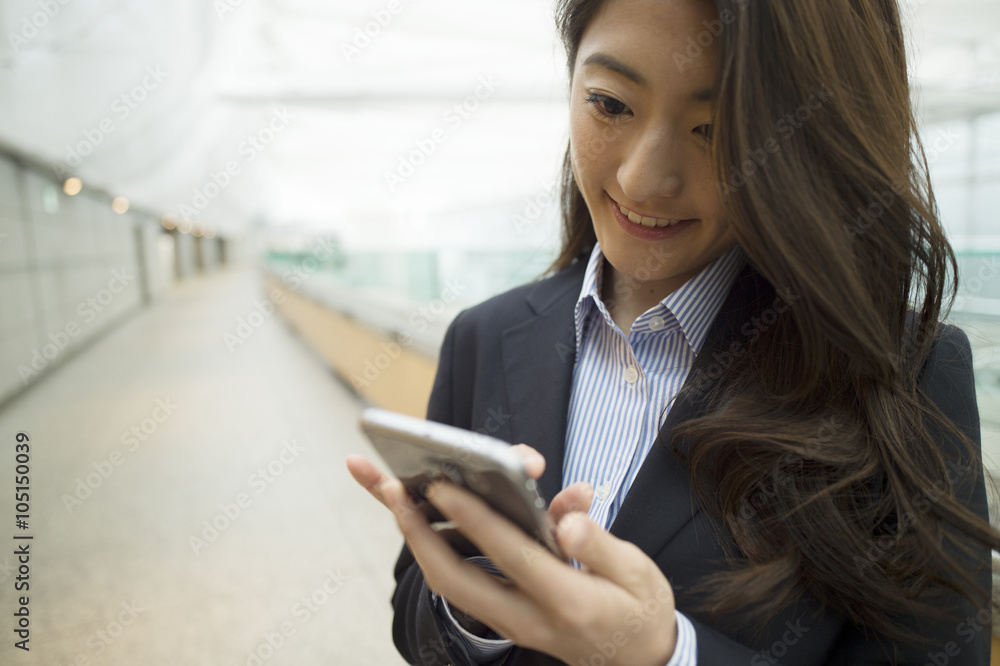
693	306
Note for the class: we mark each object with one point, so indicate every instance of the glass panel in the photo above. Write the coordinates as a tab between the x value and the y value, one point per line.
953	201
986	209
946	146
988	146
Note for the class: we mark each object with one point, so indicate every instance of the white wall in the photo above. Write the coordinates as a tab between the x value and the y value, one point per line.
69	268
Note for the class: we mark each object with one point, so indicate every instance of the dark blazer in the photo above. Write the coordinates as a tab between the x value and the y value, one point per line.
506	369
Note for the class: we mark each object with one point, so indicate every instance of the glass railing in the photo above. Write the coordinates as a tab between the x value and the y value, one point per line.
417	277
392	291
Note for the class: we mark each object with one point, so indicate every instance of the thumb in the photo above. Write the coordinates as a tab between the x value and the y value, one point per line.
574	498
534	462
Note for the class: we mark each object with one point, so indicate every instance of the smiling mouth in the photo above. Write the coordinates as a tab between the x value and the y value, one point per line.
640	220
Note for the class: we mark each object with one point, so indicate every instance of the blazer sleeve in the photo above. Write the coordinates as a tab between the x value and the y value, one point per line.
419	633
947	380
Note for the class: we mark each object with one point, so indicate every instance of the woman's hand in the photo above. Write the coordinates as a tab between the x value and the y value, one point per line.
620	608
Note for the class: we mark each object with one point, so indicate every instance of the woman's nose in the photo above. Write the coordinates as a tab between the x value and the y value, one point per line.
652	167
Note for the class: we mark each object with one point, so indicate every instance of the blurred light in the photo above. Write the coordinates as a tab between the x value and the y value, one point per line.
184	226
168	222
198	230
210	232
120	205
72	186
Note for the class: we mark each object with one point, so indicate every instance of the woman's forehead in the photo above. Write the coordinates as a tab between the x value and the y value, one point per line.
654	42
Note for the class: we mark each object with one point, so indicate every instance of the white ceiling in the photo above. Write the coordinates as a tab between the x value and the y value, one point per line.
352	118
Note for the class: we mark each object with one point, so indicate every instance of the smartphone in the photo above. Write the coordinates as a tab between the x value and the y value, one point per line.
420	452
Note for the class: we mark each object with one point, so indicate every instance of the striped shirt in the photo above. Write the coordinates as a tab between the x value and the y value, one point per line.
622	390
623	384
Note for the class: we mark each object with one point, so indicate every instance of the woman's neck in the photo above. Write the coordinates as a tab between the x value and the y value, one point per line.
626	297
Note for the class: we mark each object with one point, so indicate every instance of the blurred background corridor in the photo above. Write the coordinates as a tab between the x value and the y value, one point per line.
226	227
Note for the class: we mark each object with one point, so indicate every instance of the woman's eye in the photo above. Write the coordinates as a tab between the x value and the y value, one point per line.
607	106
705	131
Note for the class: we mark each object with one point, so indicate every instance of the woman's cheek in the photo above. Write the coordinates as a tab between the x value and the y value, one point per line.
589	146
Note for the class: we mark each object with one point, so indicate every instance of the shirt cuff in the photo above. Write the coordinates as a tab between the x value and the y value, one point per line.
478	648
686	650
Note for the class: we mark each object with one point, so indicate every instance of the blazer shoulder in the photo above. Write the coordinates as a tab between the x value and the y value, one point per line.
947	380
948	366
952	344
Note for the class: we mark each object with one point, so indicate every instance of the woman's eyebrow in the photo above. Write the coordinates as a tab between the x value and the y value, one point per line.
615	65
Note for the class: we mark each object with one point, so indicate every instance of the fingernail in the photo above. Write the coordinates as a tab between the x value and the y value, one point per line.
588	490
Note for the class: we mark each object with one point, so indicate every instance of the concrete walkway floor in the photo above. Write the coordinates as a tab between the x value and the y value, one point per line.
190	504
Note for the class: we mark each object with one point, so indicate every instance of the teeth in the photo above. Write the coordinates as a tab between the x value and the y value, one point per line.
646	221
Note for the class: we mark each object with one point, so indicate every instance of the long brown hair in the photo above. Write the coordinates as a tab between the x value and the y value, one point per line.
817	450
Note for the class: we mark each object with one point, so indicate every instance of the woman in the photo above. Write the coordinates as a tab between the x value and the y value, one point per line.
762	447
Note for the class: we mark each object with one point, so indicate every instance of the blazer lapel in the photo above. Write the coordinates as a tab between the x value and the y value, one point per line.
538	359
659	503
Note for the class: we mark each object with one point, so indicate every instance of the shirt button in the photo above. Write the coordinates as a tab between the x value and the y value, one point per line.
656	324
603	491
631	374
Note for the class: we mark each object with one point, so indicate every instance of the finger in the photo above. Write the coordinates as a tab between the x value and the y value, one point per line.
465	585
621	562
576	497
535	570
534	462
368	476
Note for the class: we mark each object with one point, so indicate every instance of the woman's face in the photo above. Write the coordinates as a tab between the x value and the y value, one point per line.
640	115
